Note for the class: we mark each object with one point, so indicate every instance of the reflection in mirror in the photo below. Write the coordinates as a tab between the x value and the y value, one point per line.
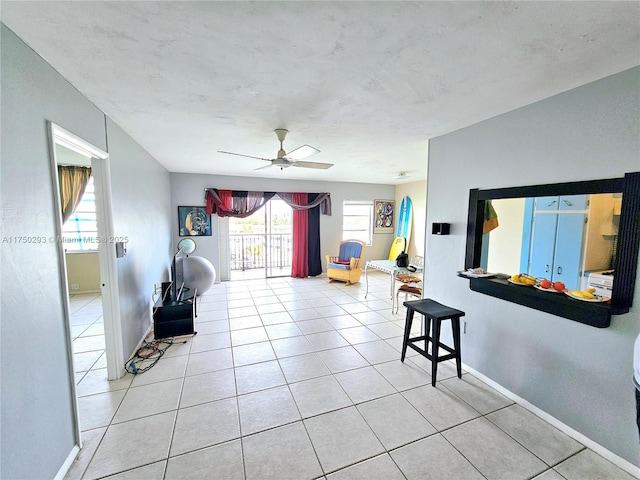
567	238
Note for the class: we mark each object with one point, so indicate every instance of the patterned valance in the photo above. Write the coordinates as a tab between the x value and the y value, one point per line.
242	203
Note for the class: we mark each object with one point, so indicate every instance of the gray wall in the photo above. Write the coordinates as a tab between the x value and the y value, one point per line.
188	189
36	410
141	212
580	375
36	401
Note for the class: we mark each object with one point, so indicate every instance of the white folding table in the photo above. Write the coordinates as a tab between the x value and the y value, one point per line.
386	266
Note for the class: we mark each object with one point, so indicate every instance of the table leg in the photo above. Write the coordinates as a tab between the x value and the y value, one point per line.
391	288
366	279
393	297
393	283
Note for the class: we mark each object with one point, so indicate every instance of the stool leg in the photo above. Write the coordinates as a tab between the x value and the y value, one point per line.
407	332
427	332
455	325
435	342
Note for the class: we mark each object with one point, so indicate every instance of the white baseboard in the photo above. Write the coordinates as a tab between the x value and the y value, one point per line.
586	441
64	469
81	292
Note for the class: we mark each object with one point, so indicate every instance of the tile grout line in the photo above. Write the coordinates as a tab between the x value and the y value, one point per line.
175	418
485	415
235	383
333	375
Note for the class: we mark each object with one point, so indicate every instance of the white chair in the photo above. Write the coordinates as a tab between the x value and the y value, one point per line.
411	282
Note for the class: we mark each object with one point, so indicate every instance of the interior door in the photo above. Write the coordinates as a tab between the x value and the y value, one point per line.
568	254
279	237
543	245
557	239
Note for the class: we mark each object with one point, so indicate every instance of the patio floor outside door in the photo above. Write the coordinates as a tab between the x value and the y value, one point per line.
261	245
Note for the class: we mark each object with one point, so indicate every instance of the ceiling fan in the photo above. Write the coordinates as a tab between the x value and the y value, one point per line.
291	159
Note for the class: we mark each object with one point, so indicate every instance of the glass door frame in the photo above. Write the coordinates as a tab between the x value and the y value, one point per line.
270	247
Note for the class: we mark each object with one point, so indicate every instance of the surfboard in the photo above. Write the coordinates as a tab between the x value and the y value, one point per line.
398	246
405	216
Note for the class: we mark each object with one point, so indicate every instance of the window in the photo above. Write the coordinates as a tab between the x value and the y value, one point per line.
80	232
357	220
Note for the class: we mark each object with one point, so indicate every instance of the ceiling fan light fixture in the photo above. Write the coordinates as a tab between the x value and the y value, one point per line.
280	162
401	175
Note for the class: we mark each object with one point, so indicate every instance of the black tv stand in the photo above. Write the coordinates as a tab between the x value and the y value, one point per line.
173	318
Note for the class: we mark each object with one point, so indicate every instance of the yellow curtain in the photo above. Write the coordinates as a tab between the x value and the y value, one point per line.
73	182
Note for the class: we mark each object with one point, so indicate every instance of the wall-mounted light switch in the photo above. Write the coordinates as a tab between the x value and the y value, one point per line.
121	249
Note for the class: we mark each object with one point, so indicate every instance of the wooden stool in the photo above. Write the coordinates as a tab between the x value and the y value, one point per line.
435	313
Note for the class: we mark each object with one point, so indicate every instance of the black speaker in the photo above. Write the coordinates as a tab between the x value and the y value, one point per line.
440	228
173	320
166	291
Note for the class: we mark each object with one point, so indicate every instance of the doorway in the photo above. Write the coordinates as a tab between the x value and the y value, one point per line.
65	149
82	269
261	245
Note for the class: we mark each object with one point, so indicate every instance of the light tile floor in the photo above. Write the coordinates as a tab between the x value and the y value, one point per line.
87	331
301	379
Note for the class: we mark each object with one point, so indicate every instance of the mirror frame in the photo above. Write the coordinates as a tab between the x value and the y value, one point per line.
626	260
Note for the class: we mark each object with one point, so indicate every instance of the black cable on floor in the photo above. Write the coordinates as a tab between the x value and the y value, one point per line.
148	355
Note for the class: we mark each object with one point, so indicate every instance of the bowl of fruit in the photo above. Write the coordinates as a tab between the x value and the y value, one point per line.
522	279
547	286
587	295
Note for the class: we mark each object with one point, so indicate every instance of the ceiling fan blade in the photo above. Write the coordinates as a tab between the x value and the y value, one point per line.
248	156
301	152
262	168
318	165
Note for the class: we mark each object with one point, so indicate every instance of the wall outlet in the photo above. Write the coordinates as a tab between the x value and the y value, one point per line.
464	329
75	287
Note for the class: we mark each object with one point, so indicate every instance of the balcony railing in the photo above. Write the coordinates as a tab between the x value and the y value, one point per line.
247	251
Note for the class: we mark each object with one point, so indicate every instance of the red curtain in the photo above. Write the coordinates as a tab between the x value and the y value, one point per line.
226	199
300	261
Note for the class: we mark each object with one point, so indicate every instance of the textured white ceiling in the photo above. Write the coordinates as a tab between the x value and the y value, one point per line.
368	83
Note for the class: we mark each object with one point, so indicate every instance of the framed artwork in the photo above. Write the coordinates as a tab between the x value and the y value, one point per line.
383	216
194	222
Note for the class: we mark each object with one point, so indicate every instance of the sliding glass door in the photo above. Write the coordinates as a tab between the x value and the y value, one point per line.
278	238
260	245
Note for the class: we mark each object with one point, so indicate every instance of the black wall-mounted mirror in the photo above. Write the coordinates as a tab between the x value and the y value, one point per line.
596	223
570	239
